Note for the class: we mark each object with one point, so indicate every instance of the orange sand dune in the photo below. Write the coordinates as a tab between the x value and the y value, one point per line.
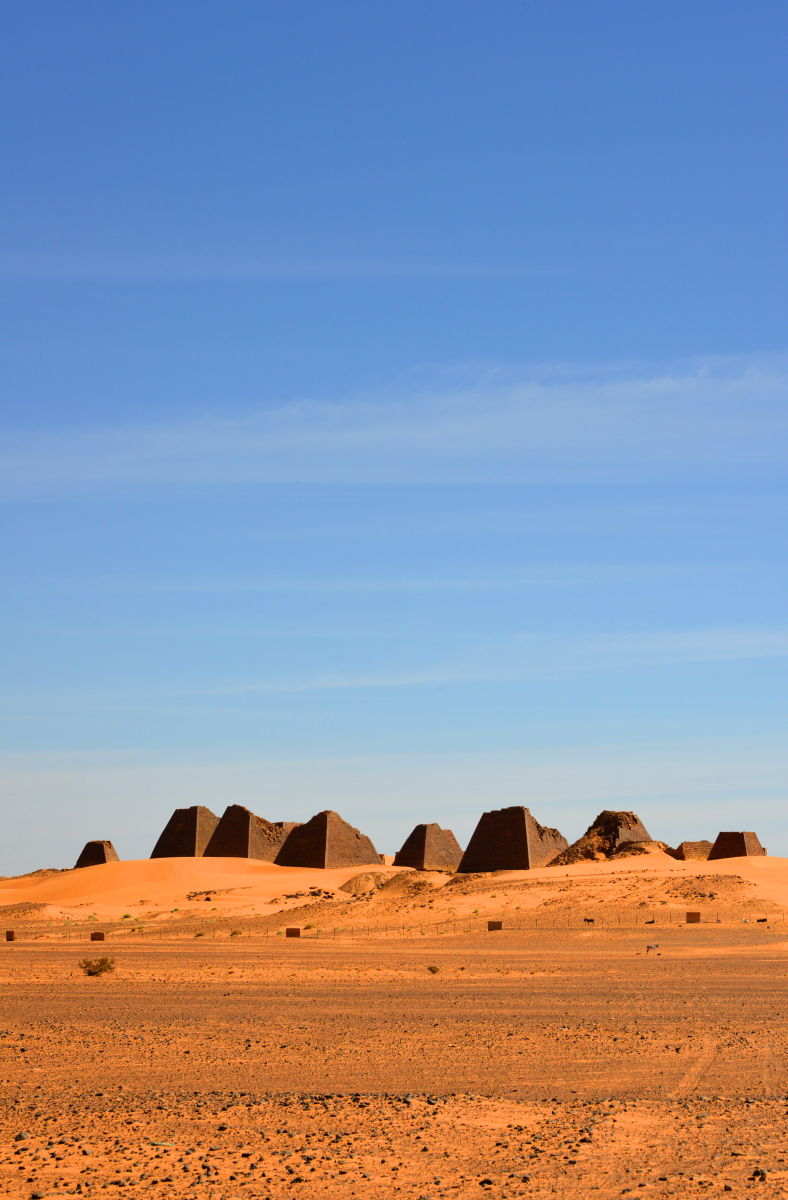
167	881
769	875
248	887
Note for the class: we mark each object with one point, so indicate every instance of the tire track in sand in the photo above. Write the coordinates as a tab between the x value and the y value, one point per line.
691	1078
767	1068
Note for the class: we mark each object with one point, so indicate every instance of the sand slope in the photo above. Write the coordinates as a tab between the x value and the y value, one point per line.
113	888
171	888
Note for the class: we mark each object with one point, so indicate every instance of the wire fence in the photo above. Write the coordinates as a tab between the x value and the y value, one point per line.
542	923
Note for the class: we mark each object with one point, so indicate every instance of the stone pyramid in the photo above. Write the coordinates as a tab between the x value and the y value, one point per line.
699	851
96	853
429	848
736	845
187	833
326	841
242	834
509	839
608	833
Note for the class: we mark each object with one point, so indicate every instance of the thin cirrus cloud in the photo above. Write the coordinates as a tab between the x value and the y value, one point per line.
31	266
532	656
520	659
534	579
709	419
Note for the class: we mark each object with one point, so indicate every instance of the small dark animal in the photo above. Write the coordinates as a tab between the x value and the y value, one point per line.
761	920
588	920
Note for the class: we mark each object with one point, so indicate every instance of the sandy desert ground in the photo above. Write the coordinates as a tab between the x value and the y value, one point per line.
552	1058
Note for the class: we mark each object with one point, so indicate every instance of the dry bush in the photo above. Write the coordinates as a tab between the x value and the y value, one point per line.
97	966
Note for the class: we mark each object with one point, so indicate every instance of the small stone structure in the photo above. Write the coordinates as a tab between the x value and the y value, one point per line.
97	936
736	845
693	851
492	926
429	848
609	833
293	931
693	918
187	833
96	853
510	839
241	834
10	935
326	841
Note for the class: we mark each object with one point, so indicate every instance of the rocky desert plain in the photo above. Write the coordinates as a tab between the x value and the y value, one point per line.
597	1044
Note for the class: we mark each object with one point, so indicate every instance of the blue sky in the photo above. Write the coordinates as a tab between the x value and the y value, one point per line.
393	416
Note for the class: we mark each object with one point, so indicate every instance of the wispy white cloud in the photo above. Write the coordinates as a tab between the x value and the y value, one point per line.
533	579
533	656
47	266
521	659
706	420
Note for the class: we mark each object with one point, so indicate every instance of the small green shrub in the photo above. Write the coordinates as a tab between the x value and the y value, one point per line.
97	966
309	927
433	970
127	916
235	933
199	935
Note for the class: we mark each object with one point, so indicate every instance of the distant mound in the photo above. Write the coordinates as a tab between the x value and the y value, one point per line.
606	837
40	873
628	849
26	909
366	882
407	883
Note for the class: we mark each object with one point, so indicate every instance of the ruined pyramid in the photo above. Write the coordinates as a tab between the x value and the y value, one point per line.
429	848
96	853
509	839
242	834
187	833
736	845
326	841
610	832
698	851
